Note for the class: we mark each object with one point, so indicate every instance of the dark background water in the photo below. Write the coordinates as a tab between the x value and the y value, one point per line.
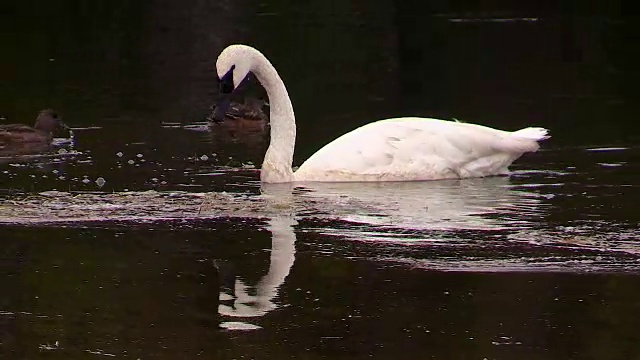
543	265
569	66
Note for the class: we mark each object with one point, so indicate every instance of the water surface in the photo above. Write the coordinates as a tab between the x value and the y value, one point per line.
150	236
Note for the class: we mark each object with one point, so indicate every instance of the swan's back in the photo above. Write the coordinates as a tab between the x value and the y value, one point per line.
418	149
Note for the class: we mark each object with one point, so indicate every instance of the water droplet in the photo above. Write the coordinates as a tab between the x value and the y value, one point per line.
86	181
204	158
62	151
139	155
100	181
119	154
130	162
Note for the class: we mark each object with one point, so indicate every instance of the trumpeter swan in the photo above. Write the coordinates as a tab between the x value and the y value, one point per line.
400	149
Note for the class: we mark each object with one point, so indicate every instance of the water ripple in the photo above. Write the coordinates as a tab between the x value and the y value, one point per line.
552	212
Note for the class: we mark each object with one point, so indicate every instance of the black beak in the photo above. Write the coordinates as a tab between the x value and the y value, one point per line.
224	100
226	82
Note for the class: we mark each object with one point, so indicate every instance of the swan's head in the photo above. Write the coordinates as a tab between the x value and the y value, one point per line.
233	65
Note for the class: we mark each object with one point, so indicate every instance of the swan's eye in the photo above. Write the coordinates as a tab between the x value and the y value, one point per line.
226	82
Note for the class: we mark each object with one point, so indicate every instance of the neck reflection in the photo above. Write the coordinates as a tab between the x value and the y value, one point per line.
241	301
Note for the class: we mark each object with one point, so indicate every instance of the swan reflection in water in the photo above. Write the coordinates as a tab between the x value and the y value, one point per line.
487	203
246	301
437	205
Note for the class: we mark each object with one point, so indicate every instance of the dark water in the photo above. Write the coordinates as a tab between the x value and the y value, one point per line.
182	254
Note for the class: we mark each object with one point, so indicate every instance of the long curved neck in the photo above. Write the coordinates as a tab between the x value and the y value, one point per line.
276	167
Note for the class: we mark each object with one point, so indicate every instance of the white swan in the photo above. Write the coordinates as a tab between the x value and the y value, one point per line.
400	149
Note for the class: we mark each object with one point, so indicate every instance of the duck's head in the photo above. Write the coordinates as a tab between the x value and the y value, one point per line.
48	121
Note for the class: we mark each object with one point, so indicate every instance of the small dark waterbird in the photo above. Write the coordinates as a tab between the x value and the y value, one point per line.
240	119
250	110
20	138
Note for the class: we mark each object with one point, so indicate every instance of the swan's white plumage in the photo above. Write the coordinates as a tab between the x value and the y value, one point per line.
401	149
416	149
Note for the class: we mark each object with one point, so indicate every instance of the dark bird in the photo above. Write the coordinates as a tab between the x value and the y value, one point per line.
20	138
240	120
251	110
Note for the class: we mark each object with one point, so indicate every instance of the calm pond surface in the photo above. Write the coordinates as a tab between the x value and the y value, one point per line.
149	236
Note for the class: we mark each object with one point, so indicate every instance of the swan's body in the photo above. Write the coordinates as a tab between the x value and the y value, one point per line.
416	149
401	149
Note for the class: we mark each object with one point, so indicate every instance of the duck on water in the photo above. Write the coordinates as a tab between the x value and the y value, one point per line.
23	139
239	119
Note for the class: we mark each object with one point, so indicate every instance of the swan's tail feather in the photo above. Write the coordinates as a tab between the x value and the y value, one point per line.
524	140
533	133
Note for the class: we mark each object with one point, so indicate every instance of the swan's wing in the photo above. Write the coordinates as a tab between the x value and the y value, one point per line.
415	148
